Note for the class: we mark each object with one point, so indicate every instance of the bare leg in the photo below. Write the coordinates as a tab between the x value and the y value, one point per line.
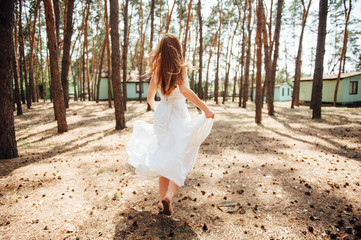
172	187
167	208
163	187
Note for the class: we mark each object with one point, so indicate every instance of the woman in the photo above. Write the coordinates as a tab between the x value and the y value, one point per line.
168	148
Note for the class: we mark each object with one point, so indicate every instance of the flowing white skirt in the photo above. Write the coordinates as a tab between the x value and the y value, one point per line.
168	147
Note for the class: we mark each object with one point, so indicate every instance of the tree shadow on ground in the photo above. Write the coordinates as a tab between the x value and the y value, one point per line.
132	224
9	165
273	197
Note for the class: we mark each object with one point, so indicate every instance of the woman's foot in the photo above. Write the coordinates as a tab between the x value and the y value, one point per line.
167	209
160	207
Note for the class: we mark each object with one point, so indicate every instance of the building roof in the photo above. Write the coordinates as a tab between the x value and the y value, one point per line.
133	76
333	76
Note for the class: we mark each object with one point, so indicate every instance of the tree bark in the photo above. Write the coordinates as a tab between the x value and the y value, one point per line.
248	57
187	29
8	148
32	42
270	104
21	53
114	19
316	98
216	82
242	56
152	6
296	87
258	101
66	51
208	64
23	72
59	106
19	109
108	52
125	53
194	60
169	17
87	49
343	51
140	59
200	90
56	6
228	66
100	70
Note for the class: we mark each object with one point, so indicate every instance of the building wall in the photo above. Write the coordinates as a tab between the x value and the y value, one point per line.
347	98
278	93
131	91
287	90
328	91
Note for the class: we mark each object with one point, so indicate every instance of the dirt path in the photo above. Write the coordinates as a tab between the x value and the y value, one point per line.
293	178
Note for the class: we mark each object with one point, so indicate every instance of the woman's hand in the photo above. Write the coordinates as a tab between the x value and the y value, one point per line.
209	114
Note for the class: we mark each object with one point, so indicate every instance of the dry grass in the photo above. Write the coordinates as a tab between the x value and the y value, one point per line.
295	178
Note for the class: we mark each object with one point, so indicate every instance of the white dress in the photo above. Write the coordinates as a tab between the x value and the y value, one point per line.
168	147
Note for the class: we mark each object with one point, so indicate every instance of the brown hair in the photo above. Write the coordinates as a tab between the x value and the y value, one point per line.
167	65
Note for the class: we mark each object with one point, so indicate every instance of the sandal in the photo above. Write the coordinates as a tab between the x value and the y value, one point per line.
166	206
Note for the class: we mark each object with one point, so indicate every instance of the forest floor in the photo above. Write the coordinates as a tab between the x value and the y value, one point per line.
289	178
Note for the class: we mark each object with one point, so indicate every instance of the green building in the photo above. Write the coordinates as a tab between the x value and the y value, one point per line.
349	89
132	86
282	92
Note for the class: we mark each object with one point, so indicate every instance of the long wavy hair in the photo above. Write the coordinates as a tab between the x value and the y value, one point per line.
167	65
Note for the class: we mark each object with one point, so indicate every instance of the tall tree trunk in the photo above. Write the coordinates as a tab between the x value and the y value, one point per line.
194	60
208	64
125	53
114	19
31	59
74	80
66	51
87	49
8	148
56	6
45	86
253	68
108	51
21	53
248	57
270	105
234	86
23	72
59	106
200	50
100	70
296	87
228	66
140	59
242	55
343	51
316	98
83	72
152	6
216	82
187	29
169	17
180	17
19	109
258	101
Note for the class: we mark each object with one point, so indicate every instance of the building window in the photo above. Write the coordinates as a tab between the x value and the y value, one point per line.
283	92
353	87
137	87
288	91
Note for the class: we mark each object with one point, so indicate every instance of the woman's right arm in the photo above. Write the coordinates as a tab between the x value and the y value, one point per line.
193	98
152	91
